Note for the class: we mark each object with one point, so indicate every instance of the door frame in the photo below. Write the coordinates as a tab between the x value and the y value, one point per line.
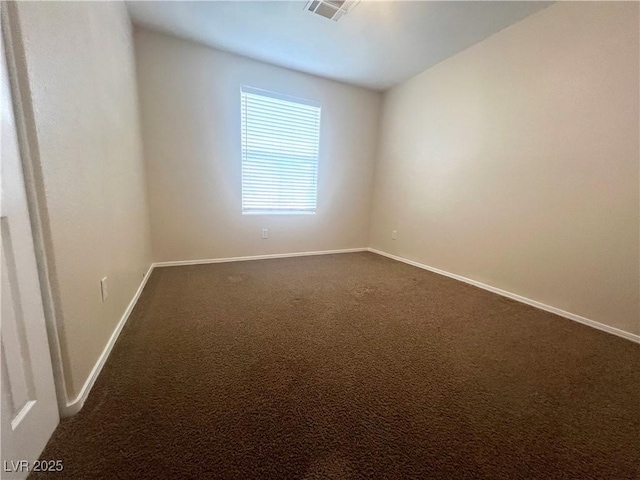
35	192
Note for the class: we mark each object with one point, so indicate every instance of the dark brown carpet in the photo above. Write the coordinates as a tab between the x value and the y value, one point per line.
351	366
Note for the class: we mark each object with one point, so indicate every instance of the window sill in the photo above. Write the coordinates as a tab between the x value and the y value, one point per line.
272	212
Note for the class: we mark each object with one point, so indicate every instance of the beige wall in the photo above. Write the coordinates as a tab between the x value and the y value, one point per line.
82	79
190	106
516	163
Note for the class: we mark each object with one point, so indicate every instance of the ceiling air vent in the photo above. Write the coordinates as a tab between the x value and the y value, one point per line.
331	9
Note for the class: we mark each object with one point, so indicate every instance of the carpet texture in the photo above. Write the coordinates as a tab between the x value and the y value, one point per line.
351	366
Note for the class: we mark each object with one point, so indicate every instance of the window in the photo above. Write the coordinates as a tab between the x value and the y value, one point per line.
280	142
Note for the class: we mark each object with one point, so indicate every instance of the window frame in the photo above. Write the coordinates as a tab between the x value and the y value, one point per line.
289	98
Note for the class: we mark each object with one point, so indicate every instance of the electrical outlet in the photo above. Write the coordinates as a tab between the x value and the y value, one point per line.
265	233
103	289
394	235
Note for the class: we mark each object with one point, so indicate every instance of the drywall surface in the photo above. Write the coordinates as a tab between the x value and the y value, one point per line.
81	74
516	163
190	107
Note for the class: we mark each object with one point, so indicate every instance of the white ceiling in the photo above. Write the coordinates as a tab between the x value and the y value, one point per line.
377	45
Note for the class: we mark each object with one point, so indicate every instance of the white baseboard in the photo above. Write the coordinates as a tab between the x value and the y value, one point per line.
518	298
257	257
75	405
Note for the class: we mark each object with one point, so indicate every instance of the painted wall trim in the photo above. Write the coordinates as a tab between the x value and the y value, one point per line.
257	257
74	406
518	298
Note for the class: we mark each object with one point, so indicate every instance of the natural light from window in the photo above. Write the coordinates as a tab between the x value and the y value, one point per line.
280	147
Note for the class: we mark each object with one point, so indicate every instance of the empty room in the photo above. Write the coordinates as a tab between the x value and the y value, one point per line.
324	239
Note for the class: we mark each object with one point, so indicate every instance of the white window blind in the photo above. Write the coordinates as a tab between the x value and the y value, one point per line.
280	143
